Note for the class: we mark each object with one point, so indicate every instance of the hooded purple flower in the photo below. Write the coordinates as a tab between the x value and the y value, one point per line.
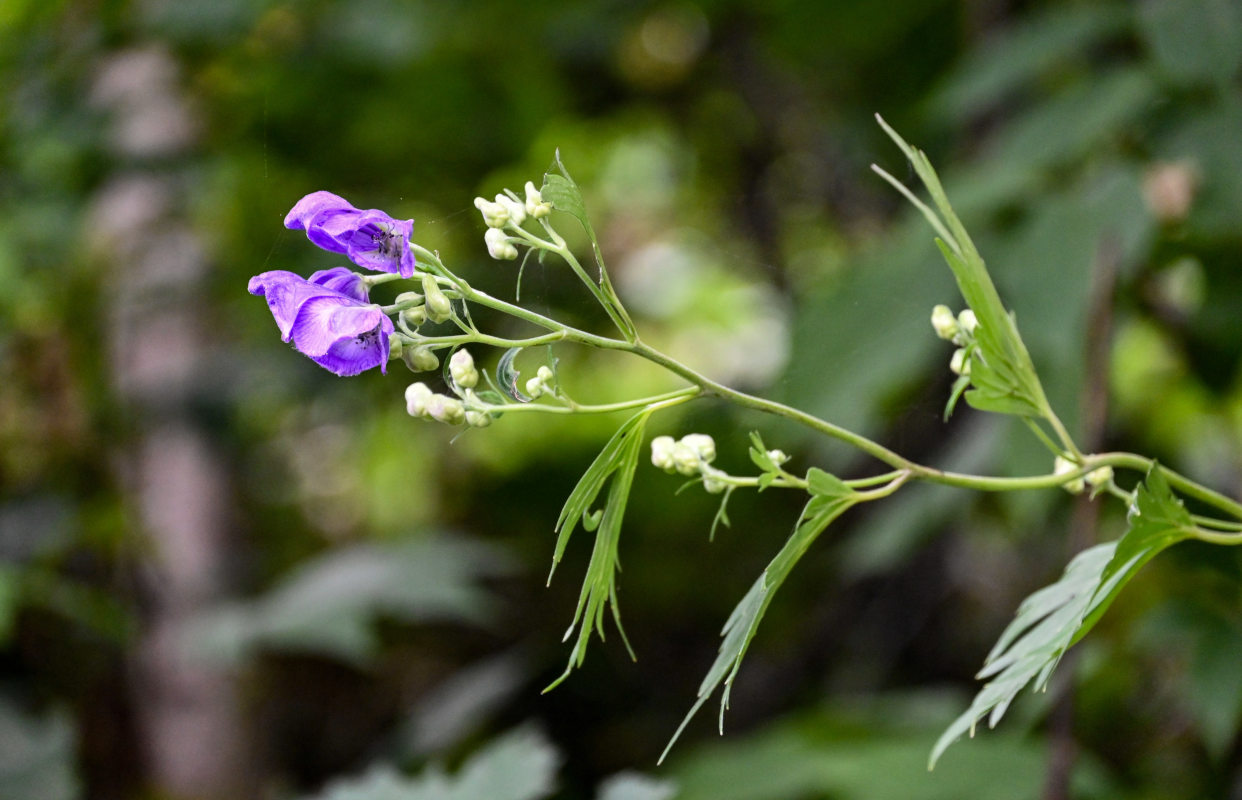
328	318
371	239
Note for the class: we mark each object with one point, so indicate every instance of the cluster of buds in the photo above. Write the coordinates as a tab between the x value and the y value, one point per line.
507	210
960	330
421	402
690	455
1095	478
542	383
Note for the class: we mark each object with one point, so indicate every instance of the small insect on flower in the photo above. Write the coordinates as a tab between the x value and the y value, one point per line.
371	239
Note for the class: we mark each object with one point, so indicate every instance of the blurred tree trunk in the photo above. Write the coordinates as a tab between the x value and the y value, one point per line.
191	738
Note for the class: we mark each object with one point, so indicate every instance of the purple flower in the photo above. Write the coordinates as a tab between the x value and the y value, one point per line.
371	239
328	318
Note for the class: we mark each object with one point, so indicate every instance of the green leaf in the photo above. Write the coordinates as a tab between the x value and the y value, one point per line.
1053	619
519	766
1017	58
1157	520
822	484
1000	347
616	462
329	605
1194	41
743	623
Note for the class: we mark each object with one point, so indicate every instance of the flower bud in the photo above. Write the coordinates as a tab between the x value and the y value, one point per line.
494	214
777	457
461	368
713	485
535	204
478	419
685	459
498	245
1063	466
534	388
544	373
517	210
416	397
944	322
448	410
959	363
420	359
395	348
412	298
703	446
439	307
413	317
662	452
967	321
1099	476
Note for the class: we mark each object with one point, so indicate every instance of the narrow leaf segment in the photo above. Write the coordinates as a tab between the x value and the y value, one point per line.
829	499
616	462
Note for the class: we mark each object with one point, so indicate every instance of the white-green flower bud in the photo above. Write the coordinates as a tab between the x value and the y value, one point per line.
420	359
1099	476
534	388
685	459
461	367
478	419
703	446
448	410
439	307
662	452
544	373
1063	466
777	457
498	245
494	214
713	485
944	322
416	397
967	321
517	210
394	347
959	363
413	298
413	317
535	204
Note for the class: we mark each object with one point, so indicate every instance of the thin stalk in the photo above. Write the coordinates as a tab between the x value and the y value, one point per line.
1178	481
664	400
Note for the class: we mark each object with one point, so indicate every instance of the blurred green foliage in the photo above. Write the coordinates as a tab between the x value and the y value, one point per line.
723	146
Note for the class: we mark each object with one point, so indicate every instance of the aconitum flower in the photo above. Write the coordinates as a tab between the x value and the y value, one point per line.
371	239
326	319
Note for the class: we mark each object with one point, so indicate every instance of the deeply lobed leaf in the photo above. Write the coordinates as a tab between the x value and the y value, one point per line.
1054	618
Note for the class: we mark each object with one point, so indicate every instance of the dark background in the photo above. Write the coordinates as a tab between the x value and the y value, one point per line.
225	572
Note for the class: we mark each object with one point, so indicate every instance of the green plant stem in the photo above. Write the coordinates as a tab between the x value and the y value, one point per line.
1180	482
663	400
561	332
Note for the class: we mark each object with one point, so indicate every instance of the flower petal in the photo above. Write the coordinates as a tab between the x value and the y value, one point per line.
285	293
343	280
342	335
313	204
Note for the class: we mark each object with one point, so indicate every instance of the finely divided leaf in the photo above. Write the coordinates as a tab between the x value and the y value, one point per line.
617	461
1054	618
1008	383
742	624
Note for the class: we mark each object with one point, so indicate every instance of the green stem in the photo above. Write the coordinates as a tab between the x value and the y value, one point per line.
1179	482
663	400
